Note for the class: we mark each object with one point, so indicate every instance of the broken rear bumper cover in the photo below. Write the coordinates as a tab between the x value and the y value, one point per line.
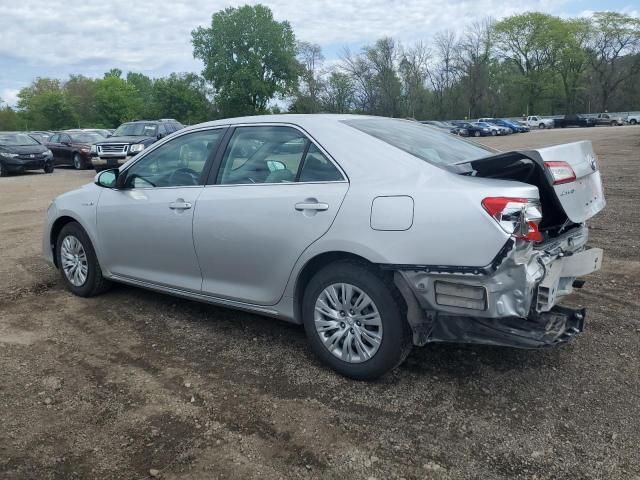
511	302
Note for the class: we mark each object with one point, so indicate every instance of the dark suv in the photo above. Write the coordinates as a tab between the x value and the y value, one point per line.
130	139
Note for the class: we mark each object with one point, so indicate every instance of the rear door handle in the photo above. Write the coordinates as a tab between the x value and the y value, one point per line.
180	205
317	206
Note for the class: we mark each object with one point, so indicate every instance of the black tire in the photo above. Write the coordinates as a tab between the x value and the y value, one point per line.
477	133
49	167
95	283
542	126
493	133
3	170
78	163
633	121
396	336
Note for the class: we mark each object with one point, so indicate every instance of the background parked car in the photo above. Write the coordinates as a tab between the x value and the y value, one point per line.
41	135
575	121
472	130
130	139
73	148
608	119
20	152
633	119
103	132
539	122
494	129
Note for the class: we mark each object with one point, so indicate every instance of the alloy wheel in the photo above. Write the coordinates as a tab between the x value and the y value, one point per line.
77	163
74	261
348	322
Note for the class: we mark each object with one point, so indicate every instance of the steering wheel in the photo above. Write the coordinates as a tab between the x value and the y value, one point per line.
184	176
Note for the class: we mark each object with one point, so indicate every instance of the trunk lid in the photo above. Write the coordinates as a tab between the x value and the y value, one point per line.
582	198
576	200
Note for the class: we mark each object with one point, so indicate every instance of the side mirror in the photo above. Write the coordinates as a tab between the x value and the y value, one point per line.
159	136
107	178
109	135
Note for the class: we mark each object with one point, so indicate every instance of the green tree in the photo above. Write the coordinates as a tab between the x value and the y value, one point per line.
182	96
338	93
116	101
573	59
43	105
531	42
614	37
81	96
248	57
8	118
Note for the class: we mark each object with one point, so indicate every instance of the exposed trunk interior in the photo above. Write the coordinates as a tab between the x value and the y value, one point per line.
525	167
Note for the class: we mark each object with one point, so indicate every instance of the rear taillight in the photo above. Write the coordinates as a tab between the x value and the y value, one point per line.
561	172
520	217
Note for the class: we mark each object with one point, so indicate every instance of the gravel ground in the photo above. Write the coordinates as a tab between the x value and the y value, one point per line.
135	384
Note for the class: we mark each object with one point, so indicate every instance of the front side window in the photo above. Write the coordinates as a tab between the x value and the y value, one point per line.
273	154
178	163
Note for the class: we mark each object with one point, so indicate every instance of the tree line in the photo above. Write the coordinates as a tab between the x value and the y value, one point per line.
533	63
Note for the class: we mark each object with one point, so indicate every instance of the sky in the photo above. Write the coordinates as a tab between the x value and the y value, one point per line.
54	38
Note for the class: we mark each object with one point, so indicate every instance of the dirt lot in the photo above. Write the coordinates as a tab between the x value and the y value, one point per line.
114	386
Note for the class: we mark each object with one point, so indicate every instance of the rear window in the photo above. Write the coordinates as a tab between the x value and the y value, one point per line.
426	143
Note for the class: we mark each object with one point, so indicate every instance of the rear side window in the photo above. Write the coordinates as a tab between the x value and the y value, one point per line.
273	154
318	168
428	144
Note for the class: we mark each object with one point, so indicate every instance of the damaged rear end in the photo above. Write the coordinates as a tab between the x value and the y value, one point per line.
513	301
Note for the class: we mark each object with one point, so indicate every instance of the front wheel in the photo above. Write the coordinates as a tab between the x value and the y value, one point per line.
354	320
542	126
633	121
493	133
78	262
3	170
476	134
78	163
49	168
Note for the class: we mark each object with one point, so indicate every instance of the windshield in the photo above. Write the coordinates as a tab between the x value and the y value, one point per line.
88	138
428	144
17	139
136	130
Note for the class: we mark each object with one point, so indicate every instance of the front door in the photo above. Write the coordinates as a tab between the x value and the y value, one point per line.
145	227
274	194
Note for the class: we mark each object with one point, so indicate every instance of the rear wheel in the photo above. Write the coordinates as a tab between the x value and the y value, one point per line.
78	163
353	318
78	263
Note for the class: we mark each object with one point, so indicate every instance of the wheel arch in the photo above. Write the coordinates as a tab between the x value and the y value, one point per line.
57	226
312	266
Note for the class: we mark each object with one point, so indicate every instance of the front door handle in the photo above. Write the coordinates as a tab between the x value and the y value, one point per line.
310	205
180	205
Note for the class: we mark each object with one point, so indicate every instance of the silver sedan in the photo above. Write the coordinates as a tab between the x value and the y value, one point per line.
376	234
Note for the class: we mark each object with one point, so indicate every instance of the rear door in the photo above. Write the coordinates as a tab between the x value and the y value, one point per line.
272	193
54	145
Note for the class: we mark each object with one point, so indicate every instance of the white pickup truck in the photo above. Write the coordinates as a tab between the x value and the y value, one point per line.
633	119
537	121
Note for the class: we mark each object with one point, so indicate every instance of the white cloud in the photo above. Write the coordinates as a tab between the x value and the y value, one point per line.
90	36
9	96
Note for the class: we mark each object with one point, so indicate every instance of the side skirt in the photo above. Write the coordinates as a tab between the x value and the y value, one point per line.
200	297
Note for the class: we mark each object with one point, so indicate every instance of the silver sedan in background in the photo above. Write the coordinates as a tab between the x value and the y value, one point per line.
376	234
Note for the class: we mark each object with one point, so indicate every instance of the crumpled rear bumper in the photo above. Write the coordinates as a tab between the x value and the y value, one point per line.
512	302
555	327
